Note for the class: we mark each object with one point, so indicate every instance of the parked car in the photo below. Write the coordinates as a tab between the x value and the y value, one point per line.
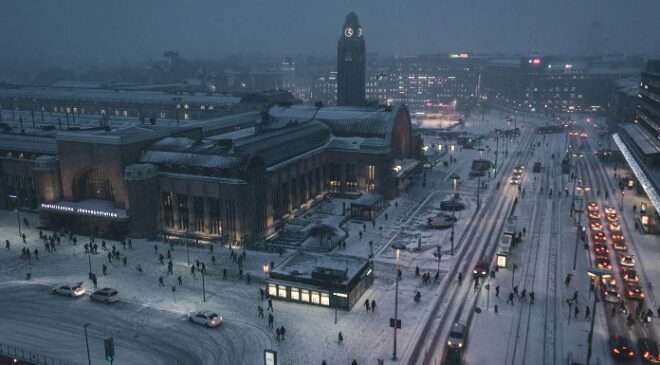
105	295
76	290
457	335
648	350
620	347
205	318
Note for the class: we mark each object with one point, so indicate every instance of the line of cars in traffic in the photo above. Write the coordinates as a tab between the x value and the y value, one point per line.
109	295
619	345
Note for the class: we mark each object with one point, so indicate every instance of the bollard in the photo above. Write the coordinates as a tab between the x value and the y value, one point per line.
496	307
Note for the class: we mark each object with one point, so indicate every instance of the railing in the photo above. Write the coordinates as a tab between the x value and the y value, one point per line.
9	352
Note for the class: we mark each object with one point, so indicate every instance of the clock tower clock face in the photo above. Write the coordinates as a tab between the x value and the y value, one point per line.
359	32
348	32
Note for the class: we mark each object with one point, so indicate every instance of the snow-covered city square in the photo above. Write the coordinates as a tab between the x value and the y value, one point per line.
329	196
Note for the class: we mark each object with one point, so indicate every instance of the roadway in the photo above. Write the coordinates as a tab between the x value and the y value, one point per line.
34	318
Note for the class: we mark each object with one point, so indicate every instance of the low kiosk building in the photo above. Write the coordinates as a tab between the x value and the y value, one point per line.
336	281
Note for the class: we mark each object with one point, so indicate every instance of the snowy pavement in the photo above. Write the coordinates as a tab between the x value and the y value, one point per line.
244	336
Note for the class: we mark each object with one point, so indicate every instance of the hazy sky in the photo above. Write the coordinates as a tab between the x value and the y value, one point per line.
62	31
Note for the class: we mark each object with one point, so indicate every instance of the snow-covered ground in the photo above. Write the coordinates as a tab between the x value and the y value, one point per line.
311	334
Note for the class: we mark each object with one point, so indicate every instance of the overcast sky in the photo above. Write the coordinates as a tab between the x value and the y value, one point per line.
61	31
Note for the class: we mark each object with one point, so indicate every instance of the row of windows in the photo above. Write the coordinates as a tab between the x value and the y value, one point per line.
299	295
199	224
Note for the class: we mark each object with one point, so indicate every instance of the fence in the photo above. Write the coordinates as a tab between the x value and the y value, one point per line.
28	357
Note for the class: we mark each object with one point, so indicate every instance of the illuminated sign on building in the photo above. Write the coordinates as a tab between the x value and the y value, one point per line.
82	211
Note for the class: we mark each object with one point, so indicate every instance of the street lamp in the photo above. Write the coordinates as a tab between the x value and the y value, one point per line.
203	285
599	275
18	212
89	359
265	268
398	247
454	178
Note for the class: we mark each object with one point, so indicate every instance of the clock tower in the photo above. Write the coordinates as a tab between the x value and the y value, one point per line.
351	64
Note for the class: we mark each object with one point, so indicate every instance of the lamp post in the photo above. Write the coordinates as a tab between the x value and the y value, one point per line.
398	247
89	259
18	211
439	255
203	285
622	194
89	359
455	179
599	275
265	268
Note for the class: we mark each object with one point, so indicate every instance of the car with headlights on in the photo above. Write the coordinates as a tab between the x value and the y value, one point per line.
76	290
205	318
457	335
610	292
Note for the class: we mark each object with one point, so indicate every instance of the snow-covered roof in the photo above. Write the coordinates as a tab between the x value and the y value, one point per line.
223	161
301	264
16	142
123	96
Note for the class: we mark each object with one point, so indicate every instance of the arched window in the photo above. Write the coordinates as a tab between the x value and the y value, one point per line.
95	185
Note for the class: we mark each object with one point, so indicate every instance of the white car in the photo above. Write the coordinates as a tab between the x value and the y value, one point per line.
457	335
206	318
105	295
74	291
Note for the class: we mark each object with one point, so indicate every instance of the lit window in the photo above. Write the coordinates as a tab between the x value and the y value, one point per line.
281	291
316	298
272	290
325	299
304	295
295	294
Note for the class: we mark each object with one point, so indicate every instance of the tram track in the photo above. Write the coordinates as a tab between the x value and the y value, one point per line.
437	325
521	339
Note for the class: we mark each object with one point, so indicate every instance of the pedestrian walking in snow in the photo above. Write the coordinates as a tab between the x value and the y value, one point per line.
161	259
324	363
260	311
270	320
575	297
523	294
460	278
94	280
531	297
192	270
587	313
282	332
179	280
109	257
160	281
576	311
366	304
510	300
373	305
7	244
224	274
156	249
497	291
213	258
436	278
36	254
515	291
169	254
354	362
130	244
277	334
270	305
416	271
340	338
567	281
104	269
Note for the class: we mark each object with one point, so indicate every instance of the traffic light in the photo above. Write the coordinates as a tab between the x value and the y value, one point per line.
109	349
